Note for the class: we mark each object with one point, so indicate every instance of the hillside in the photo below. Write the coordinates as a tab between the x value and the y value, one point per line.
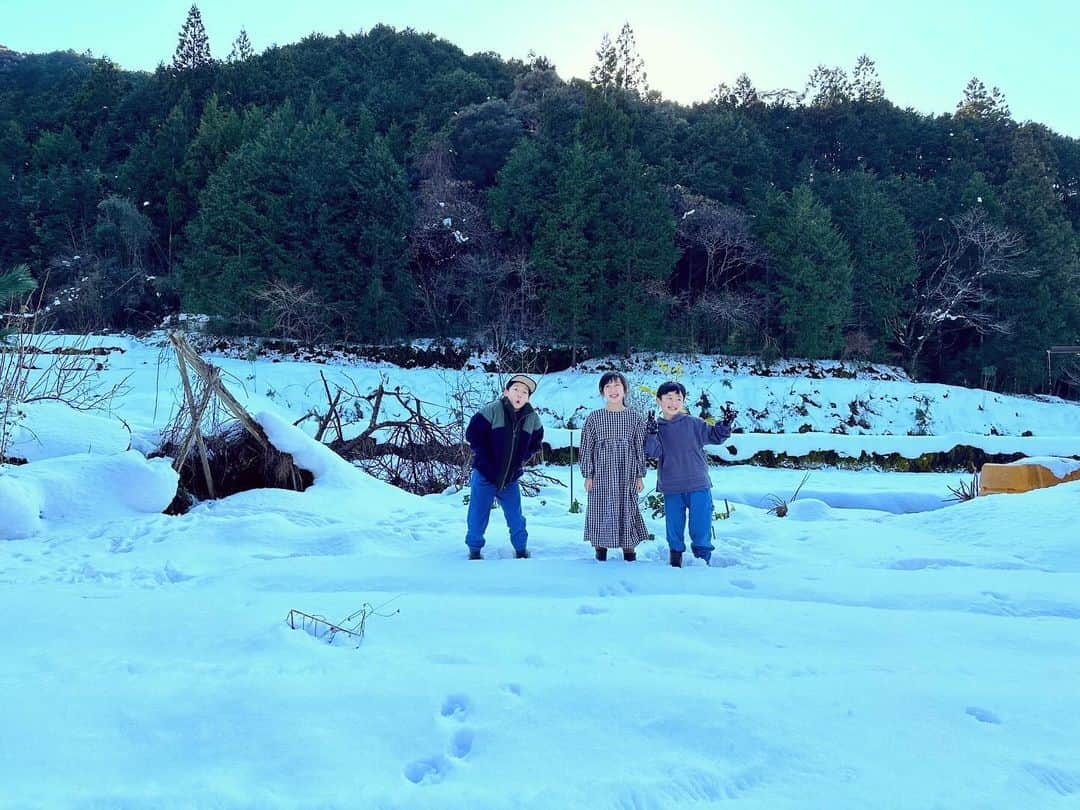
386	186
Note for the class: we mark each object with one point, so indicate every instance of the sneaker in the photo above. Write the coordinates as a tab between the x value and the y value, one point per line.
474	554
522	554
628	555
601	553
675	558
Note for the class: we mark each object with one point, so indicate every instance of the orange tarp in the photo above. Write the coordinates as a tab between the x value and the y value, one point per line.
997	478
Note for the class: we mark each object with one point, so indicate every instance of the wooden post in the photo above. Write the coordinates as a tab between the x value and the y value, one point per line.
571	469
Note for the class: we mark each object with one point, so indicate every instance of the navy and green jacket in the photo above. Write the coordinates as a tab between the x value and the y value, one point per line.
503	439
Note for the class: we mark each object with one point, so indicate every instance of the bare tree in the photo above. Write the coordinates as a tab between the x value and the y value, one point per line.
725	236
450	224
724	314
503	299
296	312
952	290
35	368
1071	374
723	233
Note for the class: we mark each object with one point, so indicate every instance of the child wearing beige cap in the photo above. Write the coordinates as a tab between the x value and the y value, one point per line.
503	435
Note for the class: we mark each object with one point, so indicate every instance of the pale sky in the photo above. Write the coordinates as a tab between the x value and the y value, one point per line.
925	51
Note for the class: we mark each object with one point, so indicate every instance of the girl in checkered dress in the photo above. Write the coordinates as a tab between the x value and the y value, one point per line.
613	465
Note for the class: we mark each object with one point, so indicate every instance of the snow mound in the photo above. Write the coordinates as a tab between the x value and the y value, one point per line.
52	429
82	488
809	509
20	509
343	486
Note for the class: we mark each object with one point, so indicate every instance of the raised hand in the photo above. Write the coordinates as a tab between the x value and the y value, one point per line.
728	415
650	424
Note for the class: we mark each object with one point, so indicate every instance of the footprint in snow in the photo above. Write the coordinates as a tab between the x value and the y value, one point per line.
428	770
590	610
983	715
620	588
456	707
461	742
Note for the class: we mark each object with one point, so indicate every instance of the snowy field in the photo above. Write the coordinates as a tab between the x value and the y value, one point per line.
880	647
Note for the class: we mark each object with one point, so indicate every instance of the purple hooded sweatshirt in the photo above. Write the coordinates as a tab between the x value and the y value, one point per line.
679	445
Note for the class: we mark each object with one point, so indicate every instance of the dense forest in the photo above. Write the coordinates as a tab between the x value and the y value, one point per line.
385	185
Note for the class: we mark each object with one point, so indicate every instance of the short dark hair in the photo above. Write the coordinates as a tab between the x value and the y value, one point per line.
671	387
614	375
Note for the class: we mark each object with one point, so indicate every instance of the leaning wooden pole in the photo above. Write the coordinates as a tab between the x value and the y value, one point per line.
196	417
207	373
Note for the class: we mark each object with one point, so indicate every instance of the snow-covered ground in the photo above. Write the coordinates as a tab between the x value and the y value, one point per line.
878	647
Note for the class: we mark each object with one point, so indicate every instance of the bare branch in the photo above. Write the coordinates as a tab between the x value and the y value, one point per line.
952	291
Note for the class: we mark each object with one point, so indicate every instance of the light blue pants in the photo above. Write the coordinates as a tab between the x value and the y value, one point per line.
699	504
482	494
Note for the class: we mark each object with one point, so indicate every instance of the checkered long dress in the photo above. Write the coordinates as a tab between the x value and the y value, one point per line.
613	456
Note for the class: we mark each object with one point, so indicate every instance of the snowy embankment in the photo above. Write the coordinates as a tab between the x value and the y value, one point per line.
845	656
847	409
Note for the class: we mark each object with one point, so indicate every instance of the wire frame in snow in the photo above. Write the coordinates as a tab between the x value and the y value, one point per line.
327	631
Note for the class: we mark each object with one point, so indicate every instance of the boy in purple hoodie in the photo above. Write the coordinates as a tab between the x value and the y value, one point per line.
678	441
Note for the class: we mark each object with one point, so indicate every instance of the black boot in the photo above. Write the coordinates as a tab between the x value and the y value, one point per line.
474	554
675	558
521	553
601	553
629	555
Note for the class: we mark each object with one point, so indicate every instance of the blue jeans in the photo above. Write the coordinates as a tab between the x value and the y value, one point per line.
482	494
699	504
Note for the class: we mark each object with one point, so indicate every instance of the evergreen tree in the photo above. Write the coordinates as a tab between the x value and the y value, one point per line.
385	215
980	103
865	82
811	268
743	95
63	192
13	283
883	252
722	154
193	48
524	184
619	66
151	175
300	205
482	137
635	241
1042	300
241	48
569	271
828	86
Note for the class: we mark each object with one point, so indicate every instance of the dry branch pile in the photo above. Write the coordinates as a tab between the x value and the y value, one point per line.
216	446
